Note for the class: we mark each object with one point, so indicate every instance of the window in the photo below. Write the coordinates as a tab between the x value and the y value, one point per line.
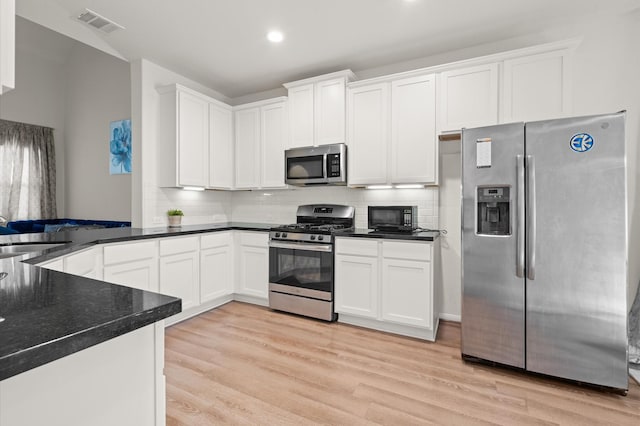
27	171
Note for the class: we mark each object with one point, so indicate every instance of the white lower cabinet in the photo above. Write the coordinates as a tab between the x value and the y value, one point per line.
216	266
406	292
86	263
134	264
180	269
54	264
358	290
387	285
253	266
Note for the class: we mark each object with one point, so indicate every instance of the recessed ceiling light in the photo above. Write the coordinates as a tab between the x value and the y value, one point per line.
275	36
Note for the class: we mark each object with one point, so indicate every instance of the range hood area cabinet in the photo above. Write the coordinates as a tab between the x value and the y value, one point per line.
261	130
317	111
7	45
195	140
392	132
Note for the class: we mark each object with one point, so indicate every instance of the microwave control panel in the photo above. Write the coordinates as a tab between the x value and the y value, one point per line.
333	165
408	217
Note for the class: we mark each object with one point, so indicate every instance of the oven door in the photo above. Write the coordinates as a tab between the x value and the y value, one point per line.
305	269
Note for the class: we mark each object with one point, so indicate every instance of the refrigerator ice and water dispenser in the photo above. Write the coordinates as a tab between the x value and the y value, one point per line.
493	211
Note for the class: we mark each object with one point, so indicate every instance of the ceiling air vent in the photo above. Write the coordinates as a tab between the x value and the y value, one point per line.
98	22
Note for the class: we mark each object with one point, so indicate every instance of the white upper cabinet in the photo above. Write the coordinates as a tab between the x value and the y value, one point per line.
392	132
261	135
317	109
220	146
368	134
247	148
301	115
195	140
536	87
273	125
7	45
469	97
414	151
330	111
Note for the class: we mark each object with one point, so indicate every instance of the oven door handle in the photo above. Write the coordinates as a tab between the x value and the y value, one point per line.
327	248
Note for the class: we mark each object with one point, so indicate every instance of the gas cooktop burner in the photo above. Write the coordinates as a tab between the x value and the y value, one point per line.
312	227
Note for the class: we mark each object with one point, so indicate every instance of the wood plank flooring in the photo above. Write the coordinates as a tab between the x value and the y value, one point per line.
244	364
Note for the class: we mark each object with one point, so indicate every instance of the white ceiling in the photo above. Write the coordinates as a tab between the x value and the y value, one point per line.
222	43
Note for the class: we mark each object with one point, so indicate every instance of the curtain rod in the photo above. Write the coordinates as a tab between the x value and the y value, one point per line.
28	124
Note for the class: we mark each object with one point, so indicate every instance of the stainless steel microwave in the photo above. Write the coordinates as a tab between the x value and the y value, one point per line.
316	165
393	218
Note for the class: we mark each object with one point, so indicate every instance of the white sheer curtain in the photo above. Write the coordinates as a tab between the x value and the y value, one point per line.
27	171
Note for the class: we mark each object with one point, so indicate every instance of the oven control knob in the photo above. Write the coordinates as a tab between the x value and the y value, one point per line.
320	237
284	235
277	235
313	237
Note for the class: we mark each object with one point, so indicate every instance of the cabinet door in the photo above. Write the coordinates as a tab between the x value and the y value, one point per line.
253	271
407	292
356	285
368	112
220	147
179	277
330	111
301	115
216	273
141	274
274	136
85	263
7	45
54	265
469	97
193	140
536	87
248	148
414	151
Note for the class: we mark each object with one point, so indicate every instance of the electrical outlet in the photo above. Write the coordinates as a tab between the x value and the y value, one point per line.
158	220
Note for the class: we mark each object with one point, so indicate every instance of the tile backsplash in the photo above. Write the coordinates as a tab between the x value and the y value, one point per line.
279	206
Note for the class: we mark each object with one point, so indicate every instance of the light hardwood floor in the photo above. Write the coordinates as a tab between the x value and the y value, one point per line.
244	364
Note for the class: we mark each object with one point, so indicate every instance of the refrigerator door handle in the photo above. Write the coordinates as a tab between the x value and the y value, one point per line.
520	217
531	217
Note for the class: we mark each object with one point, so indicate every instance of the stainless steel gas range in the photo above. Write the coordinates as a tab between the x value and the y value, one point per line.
301	274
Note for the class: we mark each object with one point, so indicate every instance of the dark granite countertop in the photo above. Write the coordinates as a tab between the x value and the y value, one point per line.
369	233
48	315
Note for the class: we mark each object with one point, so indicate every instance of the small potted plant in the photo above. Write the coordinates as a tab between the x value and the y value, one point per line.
175	217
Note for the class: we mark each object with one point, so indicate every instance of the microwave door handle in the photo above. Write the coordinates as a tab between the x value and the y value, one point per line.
324	166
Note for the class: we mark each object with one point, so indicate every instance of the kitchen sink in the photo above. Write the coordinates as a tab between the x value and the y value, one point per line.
20	249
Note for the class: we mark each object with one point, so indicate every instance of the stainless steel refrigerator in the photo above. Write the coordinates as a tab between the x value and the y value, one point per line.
544	247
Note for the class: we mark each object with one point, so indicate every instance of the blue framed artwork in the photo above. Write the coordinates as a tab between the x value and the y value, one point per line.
120	147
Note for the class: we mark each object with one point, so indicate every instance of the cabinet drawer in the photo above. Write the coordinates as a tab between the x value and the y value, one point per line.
357	246
256	239
217	239
129	252
171	246
406	250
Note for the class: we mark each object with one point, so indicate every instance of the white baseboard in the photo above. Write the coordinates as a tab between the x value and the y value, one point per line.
450	317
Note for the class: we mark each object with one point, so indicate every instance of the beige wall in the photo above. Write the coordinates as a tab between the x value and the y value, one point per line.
98	91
